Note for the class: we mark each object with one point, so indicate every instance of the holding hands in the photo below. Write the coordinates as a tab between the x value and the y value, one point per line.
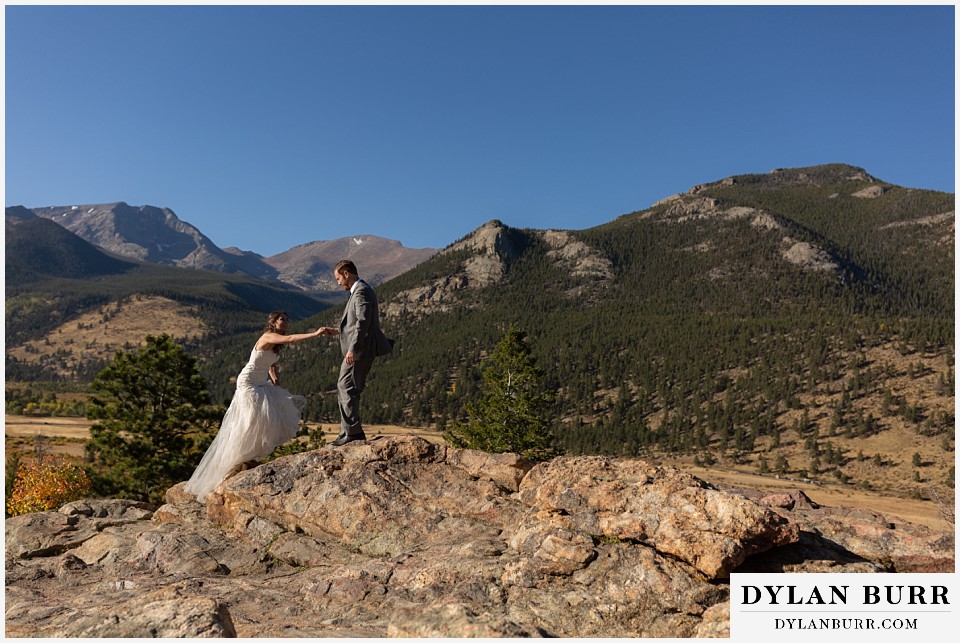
275	333
323	330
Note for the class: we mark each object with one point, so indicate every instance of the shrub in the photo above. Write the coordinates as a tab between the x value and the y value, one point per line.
46	484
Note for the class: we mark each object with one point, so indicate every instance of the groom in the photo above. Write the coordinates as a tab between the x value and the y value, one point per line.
361	340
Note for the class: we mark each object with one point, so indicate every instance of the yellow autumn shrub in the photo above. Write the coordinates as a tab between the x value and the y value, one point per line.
47	484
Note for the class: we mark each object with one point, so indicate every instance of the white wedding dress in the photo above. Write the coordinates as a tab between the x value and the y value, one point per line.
261	417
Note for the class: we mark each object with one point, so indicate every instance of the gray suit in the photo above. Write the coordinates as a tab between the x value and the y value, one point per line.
359	332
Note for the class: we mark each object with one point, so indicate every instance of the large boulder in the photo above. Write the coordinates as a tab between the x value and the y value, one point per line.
382	497
671	511
850	540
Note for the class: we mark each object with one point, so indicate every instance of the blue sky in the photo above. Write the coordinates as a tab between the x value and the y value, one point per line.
267	127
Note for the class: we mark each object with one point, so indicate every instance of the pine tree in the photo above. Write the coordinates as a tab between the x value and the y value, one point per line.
10	475
512	413
154	421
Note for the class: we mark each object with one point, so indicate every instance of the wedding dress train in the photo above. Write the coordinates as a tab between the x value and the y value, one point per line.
261	417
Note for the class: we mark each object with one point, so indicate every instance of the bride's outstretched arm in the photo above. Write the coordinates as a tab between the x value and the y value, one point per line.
269	340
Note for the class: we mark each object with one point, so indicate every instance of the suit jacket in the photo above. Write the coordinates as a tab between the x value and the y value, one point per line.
360	325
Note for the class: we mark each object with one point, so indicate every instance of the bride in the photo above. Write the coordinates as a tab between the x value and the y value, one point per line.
261	416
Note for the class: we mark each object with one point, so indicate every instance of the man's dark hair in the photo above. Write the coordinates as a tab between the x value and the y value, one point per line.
345	265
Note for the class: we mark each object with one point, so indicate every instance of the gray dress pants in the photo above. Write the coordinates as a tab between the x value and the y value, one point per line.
349	387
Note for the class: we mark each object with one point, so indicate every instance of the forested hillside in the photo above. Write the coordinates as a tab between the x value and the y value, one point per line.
37	248
729	317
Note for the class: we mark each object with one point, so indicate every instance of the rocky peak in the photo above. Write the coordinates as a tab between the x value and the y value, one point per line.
401	537
310	265
151	234
815	175
157	235
493	248
489	250
145	233
491	238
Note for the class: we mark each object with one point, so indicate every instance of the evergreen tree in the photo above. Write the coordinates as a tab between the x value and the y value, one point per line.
154	421
512	412
10	475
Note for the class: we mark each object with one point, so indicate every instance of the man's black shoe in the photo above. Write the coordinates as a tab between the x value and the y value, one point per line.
343	439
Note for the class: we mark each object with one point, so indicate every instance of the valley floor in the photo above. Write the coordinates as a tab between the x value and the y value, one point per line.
69	435
923	512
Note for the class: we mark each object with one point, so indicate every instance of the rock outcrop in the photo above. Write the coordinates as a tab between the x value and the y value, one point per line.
870	192
686	209
486	255
404	538
579	260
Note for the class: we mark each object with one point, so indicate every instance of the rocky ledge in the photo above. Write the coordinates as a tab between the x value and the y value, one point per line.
404	538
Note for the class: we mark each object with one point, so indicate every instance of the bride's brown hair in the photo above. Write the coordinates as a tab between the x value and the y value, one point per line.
271	326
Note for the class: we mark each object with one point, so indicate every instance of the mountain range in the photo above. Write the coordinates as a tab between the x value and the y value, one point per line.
156	235
804	308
